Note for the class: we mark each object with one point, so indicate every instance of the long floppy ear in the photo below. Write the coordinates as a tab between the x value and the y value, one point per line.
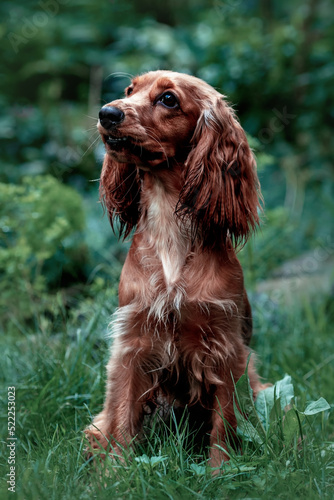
120	194
221	189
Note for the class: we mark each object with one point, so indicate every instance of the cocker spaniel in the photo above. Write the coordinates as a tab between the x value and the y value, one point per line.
178	169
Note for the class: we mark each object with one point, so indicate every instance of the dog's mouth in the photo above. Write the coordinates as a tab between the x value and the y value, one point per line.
128	145
117	143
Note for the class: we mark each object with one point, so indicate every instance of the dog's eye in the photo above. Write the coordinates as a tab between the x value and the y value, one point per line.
168	100
128	91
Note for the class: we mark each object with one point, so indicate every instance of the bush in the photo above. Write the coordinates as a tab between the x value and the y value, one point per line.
41	244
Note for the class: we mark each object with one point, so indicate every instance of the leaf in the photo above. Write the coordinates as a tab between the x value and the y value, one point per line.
143	459
151	461
282	390
246	428
290	426
157	460
248	421
244	394
316	407
199	470
276	412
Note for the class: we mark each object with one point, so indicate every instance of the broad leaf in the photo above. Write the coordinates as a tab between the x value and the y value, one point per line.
316	407
282	390
246	429
290	426
249	423
199	470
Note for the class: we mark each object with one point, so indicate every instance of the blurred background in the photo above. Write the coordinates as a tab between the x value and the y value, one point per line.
62	59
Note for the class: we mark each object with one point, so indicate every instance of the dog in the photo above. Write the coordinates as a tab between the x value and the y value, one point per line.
178	170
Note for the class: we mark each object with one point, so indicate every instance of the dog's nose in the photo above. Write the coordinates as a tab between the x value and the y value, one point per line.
110	117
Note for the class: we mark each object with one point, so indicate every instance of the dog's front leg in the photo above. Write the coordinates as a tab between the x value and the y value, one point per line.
128	389
224	426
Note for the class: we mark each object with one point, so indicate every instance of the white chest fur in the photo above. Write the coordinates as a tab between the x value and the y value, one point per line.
166	237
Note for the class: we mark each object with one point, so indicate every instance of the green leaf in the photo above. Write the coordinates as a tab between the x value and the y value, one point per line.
316	407
246	428
248	421
150	461
290	426
157	460
276	412
282	390
199	470
143	459
244	394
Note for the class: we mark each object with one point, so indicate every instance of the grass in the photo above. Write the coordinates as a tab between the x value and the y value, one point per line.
60	378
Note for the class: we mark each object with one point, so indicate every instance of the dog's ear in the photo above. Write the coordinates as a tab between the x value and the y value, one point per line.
221	189
120	194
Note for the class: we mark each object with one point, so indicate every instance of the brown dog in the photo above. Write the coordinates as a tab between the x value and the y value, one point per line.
179	169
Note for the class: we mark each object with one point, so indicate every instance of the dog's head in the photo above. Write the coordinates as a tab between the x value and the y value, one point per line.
168	117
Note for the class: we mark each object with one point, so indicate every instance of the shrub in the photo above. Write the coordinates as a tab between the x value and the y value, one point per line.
41	244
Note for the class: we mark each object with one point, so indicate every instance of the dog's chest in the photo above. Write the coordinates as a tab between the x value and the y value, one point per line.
169	241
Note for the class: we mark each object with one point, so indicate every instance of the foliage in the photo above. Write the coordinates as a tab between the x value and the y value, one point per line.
41	224
273	423
274	62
